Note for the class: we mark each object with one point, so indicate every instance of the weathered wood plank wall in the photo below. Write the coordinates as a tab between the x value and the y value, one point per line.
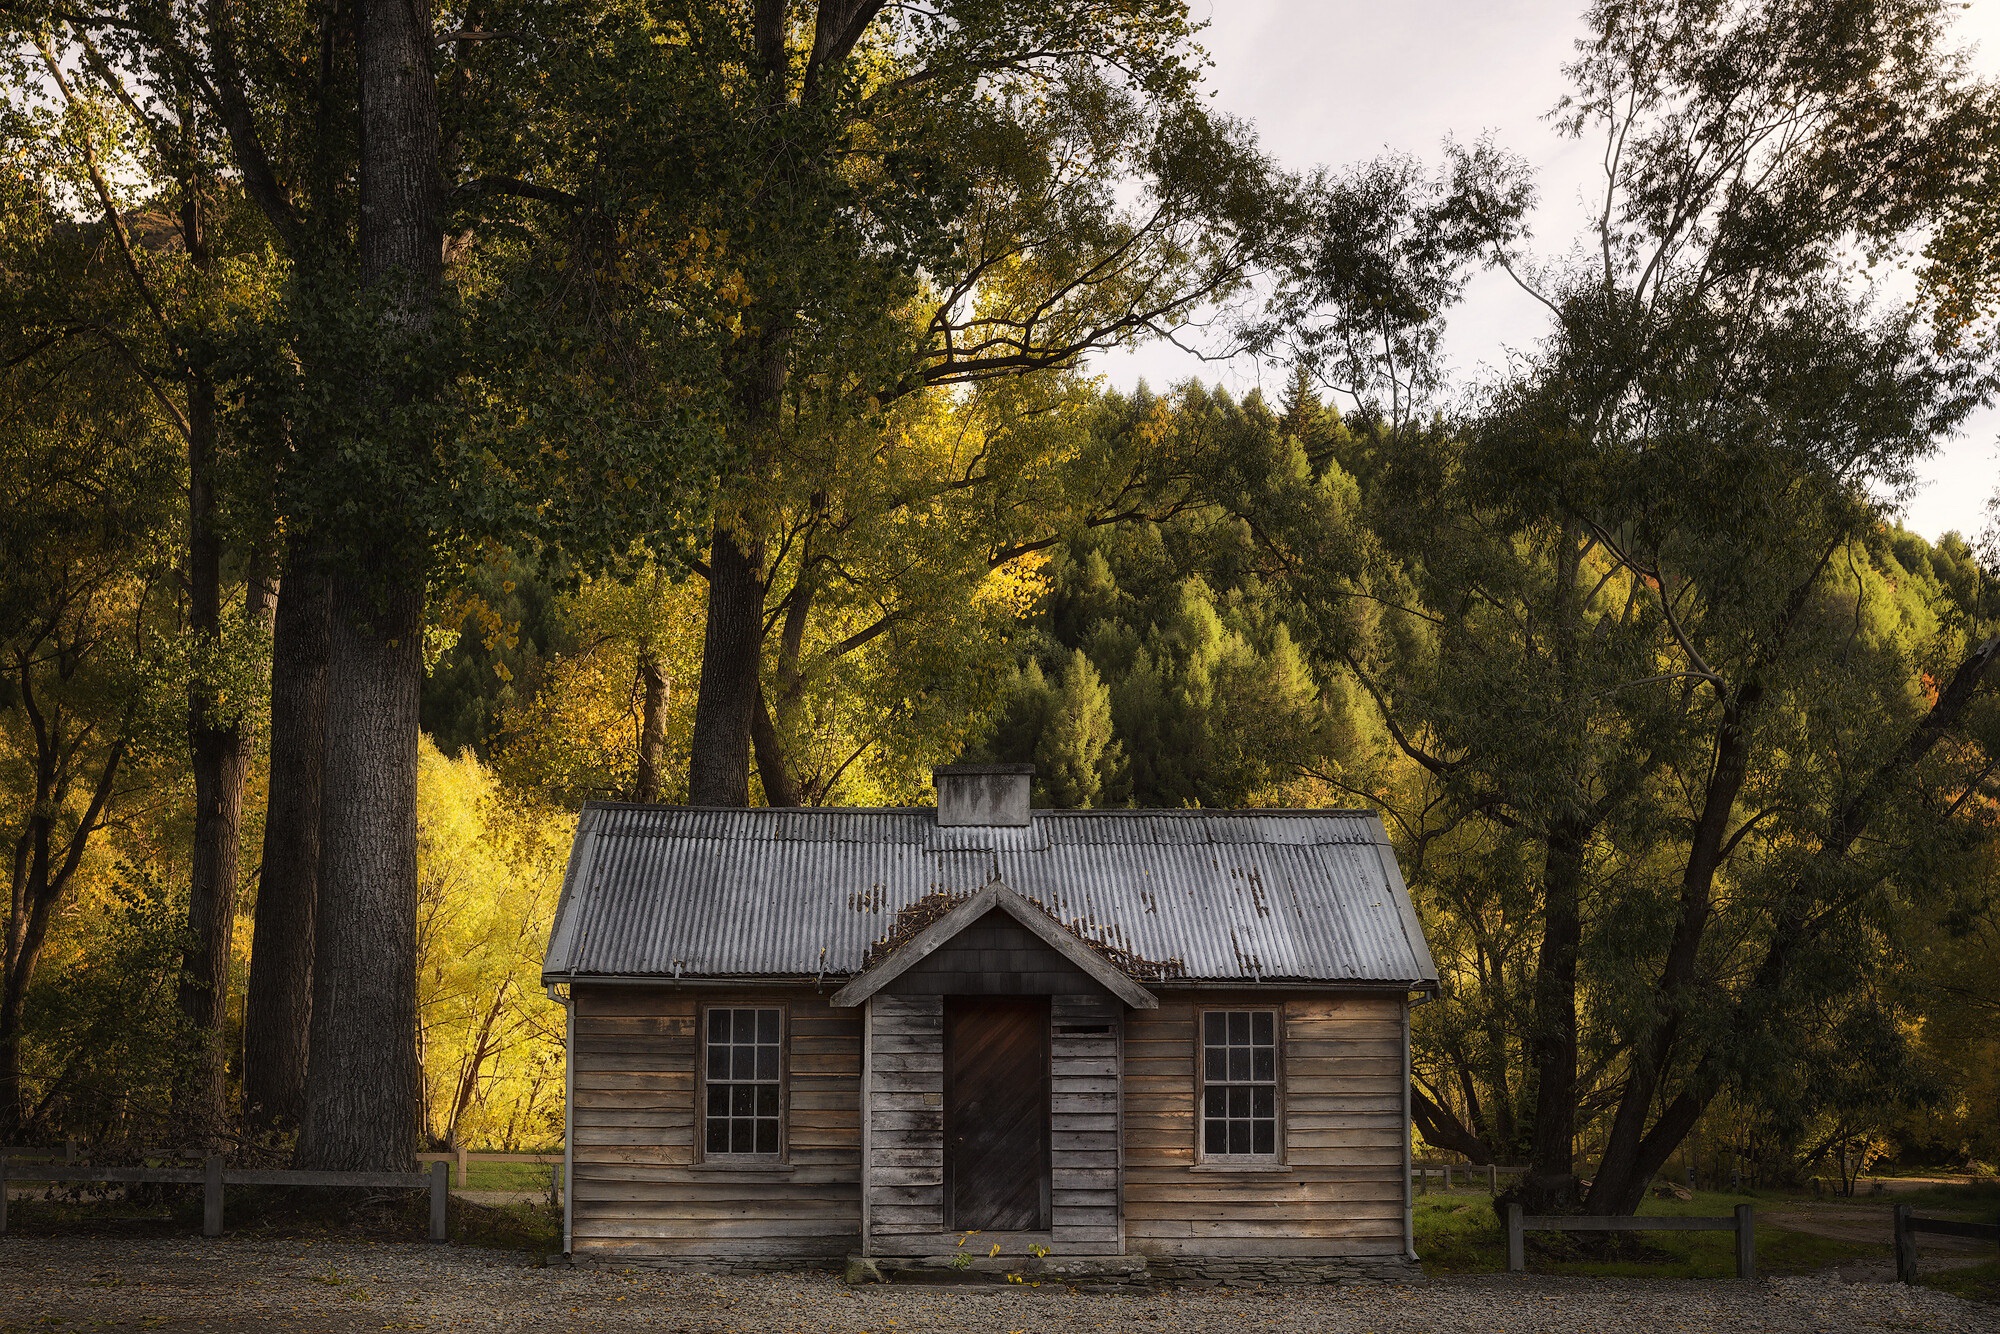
638	1188
905	1180
1340	1191
1083	1126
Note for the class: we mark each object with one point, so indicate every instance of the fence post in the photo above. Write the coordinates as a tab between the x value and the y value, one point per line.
1517	1248
1492	1179
461	1166
440	1193
556	1185
69	1151
1906	1246
3	1192
1746	1242
211	1197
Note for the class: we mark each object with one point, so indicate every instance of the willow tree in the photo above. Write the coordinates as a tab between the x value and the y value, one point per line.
889	200
1628	624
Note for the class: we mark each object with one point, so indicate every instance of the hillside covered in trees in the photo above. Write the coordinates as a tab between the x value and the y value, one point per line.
703	412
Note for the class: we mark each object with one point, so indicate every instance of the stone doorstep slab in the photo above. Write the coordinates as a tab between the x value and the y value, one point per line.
966	1267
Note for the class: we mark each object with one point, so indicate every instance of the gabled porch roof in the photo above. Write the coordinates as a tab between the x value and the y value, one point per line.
995	896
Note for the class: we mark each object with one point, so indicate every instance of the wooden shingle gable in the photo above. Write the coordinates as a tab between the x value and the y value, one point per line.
996	895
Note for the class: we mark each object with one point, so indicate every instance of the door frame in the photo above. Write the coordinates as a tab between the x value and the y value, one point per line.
1045	1204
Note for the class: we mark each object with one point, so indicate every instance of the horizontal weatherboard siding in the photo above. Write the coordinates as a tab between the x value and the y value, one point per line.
638	1185
1340	1192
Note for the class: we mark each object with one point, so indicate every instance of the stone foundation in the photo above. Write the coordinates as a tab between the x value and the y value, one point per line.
1135	1271
1089	1271
707	1264
1194	1271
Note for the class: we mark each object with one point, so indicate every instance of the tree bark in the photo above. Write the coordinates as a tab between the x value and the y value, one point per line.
654	688
780	789
219	746
1550	1186
362	1097
278	1010
1440	1128
363	1094
731	661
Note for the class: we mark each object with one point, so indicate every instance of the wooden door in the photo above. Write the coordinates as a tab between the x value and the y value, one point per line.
996	1120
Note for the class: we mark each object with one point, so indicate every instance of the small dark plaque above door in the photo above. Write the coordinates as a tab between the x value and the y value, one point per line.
996	1120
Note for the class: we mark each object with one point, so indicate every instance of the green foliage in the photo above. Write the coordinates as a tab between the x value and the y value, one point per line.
1177	625
107	1038
1075	751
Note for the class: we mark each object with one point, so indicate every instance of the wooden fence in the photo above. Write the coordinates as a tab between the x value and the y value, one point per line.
1487	1174
1744	1225
1908	1225
212	1177
460	1157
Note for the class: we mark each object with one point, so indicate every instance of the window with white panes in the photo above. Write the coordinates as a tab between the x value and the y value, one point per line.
1239	1083
742	1069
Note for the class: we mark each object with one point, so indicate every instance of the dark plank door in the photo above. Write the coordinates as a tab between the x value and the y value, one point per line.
996	1121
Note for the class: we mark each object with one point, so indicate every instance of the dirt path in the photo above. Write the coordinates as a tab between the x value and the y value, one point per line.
1870	1224
245	1286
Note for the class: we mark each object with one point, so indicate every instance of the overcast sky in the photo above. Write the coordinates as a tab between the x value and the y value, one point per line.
1337	81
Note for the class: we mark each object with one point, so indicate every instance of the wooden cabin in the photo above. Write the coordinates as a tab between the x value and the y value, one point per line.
1142	1044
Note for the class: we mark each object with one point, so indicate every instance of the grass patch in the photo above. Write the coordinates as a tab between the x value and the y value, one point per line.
270	1211
528	1178
1979	1283
1979	1200
1460	1234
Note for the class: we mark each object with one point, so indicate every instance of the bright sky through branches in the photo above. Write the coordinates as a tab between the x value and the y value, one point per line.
1334	81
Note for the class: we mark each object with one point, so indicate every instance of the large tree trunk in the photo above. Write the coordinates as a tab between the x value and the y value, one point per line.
362	1097
362	1086
278	1010
731	659
1550	1186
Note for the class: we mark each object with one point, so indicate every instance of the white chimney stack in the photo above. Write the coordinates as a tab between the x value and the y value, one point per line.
982	794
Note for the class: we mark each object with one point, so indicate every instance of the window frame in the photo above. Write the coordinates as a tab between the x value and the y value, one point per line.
702	1153
1277	1157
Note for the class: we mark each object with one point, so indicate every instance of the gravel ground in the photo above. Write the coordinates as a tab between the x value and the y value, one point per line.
341	1287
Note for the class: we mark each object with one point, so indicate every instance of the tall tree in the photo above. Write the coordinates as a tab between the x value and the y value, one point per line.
1652	547
277	1009
148	168
407	433
90	466
953	207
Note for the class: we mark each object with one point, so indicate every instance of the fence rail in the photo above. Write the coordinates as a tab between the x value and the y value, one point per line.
461	1157
213	1177
1908	1225
1743	1224
1489	1174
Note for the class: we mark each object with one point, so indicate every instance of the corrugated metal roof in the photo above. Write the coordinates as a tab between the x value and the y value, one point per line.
1210	895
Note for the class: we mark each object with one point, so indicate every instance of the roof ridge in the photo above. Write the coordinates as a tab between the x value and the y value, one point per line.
1216	812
